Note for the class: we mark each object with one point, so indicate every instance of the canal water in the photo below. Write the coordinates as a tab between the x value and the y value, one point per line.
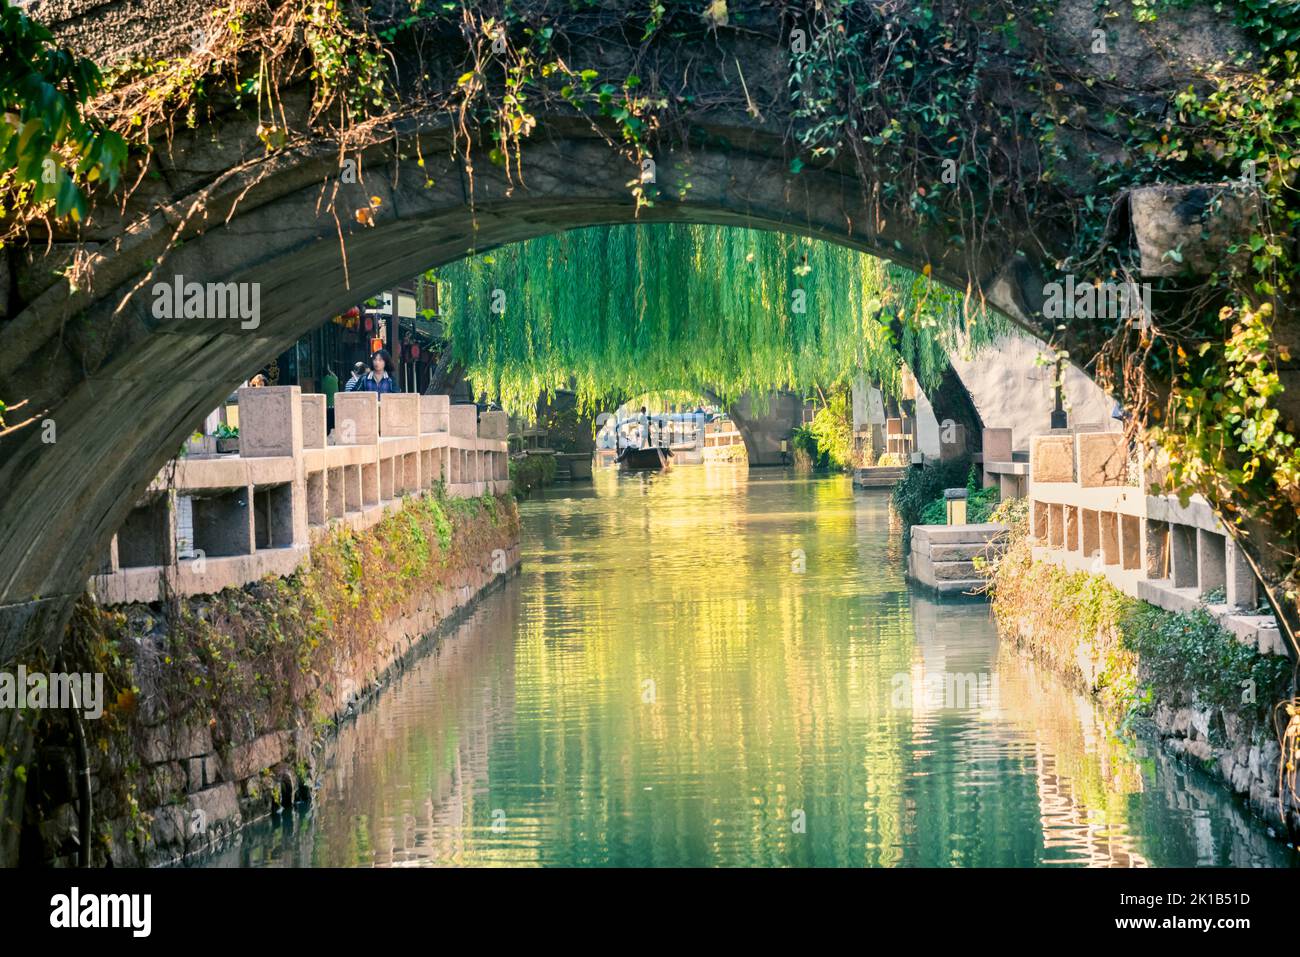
712	667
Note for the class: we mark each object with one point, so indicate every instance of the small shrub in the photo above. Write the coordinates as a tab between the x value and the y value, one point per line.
808	456
530	472
919	487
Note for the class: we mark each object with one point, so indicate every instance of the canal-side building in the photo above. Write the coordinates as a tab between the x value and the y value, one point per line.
403	320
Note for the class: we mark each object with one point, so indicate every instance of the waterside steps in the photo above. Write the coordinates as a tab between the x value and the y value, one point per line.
942	557
879	476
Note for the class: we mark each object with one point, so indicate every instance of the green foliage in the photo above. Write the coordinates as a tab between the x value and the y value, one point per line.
1188	658
920	487
650	308
979	508
49	151
1142	654
567	430
269	656
832	427
1275	24
346	64
981	503
808	455
530	472
827	441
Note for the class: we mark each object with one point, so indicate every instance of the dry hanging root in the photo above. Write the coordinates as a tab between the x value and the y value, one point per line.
1290	757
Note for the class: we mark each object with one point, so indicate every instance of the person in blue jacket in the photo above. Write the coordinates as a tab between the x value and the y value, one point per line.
378	379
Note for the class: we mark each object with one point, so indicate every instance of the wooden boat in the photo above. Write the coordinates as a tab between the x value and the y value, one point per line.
653	459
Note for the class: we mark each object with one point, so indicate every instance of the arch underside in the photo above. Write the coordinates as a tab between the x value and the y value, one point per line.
124	388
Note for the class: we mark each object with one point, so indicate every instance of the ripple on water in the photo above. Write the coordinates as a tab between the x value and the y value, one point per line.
701	669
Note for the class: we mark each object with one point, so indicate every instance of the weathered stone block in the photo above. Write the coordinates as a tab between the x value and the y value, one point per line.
169	826
313	421
1131	545
1051	458
952	441
1102	459
1089	532
463	420
261	753
433	413
173	742
1196	222
494	425
399	415
204	809
957	534
963	553
997	445
953	571
270	421
1242	588
356	418
1109	526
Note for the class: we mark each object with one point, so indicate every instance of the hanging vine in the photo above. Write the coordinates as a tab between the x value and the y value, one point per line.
632	309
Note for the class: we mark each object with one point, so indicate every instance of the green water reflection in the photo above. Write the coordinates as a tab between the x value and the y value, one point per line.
714	668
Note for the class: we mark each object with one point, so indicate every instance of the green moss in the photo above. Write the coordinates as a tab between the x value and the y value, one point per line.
255	659
1143	655
1190	657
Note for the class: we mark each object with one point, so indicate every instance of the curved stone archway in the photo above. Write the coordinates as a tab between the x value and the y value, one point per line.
124	388
101	392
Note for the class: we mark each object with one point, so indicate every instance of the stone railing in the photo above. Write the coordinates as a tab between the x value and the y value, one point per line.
1089	511
999	466
208	523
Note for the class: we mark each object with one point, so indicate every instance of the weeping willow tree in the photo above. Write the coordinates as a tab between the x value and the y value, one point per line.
650	308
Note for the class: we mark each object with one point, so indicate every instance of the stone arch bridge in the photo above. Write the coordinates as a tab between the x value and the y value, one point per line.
84	348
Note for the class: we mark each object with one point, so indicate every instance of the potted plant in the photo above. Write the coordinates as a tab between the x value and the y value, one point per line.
227	438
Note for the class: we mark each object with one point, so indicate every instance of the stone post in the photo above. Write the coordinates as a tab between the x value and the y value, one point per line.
997	448
399	415
1051	459
955	499
271	424
1102	459
270	421
433	413
463	420
356	418
313	421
